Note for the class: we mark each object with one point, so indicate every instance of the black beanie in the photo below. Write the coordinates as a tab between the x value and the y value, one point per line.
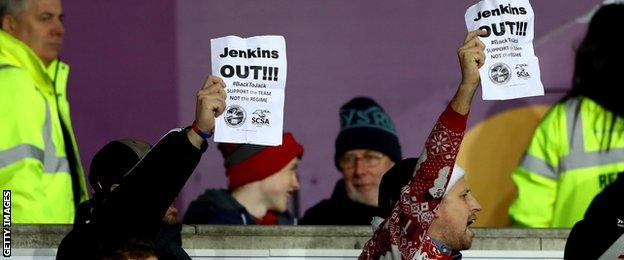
392	183
113	161
365	125
601	226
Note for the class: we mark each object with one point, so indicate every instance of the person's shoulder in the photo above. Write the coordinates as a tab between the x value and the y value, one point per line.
558	109
205	199
322	205
320	213
12	70
12	76
556	116
18	93
198	211
336	202
211	206
339	212
210	196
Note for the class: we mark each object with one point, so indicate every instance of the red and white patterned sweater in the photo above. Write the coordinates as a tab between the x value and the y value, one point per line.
404	234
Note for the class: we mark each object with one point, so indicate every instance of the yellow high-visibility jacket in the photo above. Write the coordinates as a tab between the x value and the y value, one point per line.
567	163
33	160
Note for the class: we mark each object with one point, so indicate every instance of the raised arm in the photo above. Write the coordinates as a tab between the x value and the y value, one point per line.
471	58
141	200
437	159
412	215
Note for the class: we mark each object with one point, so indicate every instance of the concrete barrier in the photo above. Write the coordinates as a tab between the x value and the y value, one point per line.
262	240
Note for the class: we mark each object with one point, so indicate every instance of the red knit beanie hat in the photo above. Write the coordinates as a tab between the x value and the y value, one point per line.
246	163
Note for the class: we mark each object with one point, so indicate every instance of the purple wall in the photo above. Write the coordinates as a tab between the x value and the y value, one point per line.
123	75
136	67
402	54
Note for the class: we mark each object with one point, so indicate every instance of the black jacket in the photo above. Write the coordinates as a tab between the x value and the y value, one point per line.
218	207
169	243
601	227
339	210
134	210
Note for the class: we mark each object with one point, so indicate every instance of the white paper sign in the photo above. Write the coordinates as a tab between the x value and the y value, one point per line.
511	69
254	71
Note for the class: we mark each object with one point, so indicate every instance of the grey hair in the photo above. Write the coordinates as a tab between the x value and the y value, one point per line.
11	7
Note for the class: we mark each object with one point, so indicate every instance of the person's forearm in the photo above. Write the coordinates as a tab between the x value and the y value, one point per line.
194	138
463	98
149	188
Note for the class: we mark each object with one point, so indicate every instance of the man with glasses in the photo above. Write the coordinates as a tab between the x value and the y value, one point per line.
366	147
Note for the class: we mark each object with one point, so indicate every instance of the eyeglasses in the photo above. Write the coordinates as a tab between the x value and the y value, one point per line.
370	159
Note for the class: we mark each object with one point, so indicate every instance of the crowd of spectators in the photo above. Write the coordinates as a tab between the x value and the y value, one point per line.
420	208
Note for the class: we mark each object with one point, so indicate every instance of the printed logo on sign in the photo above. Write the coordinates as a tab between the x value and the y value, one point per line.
261	117
500	73
521	71
234	116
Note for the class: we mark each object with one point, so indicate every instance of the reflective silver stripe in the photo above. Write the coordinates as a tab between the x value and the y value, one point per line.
19	153
51	163
539	166
574	128
574	124
577	156
244	219
615	250
576	161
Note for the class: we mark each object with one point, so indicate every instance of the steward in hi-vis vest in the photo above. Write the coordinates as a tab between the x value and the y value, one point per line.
567	163
578	148
39	160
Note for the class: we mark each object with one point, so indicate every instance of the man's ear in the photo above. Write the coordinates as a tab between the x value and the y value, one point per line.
8	24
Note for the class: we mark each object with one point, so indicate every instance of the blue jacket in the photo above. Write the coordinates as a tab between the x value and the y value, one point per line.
218	207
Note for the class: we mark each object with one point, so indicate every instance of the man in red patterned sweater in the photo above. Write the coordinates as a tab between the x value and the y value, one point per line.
427	221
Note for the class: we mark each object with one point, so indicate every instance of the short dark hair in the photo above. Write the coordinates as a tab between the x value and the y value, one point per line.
392	183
